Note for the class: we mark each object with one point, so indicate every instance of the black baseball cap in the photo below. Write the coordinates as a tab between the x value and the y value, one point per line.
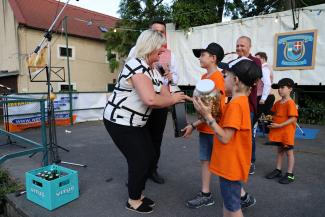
245	69
212	48
284	82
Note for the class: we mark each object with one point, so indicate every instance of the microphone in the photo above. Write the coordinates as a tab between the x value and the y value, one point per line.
161	69
233	52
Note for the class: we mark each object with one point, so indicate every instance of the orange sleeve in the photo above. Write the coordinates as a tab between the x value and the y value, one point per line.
233	116
292	109
273	109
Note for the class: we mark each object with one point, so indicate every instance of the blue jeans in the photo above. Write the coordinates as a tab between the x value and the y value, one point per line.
253	139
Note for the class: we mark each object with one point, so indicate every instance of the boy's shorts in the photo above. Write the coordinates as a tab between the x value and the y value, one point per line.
230	192
282	146
206	144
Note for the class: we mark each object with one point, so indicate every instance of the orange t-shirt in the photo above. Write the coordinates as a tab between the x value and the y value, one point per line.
233	159
219	83
283	111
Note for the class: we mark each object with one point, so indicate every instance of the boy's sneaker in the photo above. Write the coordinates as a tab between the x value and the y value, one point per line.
274	174
200	200
287	178
248	202
252	169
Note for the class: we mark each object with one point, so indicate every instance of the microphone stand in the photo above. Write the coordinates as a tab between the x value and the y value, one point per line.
52	144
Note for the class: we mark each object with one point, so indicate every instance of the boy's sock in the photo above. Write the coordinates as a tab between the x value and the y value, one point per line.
278	170
290	174
206	194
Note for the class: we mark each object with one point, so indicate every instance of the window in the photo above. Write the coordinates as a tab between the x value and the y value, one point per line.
63	52
64	87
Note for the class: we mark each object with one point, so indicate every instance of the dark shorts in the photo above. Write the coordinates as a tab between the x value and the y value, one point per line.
206	144
230	192
282	146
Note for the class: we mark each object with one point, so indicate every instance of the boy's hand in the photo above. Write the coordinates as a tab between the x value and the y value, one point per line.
200	107
188	131
274	125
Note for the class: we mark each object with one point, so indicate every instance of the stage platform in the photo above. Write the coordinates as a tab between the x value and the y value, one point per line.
90	144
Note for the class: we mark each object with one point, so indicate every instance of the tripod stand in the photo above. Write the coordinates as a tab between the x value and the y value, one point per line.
52	137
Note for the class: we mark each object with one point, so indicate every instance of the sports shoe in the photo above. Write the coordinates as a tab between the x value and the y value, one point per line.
287	178
274	174
252	169
200	201
248	202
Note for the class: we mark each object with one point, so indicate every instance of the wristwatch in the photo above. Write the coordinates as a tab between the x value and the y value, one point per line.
210	122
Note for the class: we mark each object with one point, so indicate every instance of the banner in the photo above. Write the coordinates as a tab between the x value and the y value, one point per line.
87	106
295	50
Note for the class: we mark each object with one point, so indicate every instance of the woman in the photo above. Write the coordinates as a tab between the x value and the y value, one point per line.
128	110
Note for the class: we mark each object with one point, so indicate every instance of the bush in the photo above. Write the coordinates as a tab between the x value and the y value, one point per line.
312	111
6	186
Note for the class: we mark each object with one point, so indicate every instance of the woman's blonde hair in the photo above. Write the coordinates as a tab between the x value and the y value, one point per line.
148	41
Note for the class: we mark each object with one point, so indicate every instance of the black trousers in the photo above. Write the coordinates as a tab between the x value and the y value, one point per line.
136	145
266	107
156	126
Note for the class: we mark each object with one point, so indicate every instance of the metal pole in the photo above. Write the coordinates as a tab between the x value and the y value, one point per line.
44	137
68	68
50	29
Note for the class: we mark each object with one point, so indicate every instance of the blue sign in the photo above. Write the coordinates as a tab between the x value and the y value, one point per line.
295	50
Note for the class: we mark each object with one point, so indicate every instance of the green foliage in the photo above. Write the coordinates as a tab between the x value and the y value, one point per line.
6	184
113	65
312	111
136	15
248	8
188	13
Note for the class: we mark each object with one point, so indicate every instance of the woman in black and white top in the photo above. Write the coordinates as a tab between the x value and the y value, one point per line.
128	109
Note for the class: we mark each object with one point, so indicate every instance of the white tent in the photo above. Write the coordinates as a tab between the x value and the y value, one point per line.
261	30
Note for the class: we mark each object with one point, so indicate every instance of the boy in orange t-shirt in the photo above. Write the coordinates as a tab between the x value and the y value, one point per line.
282	130
232	148
209	59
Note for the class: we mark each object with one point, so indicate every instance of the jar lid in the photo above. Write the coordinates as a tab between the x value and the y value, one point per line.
205	86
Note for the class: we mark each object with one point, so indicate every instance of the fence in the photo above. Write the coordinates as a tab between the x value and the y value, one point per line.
6	102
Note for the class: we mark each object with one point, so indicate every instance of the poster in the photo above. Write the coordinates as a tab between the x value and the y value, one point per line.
295	50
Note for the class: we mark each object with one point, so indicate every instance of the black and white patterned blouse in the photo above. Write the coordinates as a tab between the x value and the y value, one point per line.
125	106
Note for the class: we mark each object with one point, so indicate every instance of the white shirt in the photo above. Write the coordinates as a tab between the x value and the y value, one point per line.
266	79
125	106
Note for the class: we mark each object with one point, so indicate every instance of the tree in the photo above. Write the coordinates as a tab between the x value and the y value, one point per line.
188	13
136	16
248	8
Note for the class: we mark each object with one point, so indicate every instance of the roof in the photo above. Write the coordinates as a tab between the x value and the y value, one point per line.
39	14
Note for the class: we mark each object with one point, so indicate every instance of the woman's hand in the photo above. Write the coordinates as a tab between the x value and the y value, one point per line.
187	131
204	110
178	97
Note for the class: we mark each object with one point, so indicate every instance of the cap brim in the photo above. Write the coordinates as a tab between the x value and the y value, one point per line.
224	66
197	52
275	86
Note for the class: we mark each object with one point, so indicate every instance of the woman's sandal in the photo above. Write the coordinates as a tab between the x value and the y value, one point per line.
148	202
143	208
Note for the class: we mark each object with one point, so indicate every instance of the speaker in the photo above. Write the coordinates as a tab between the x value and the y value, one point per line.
179	118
